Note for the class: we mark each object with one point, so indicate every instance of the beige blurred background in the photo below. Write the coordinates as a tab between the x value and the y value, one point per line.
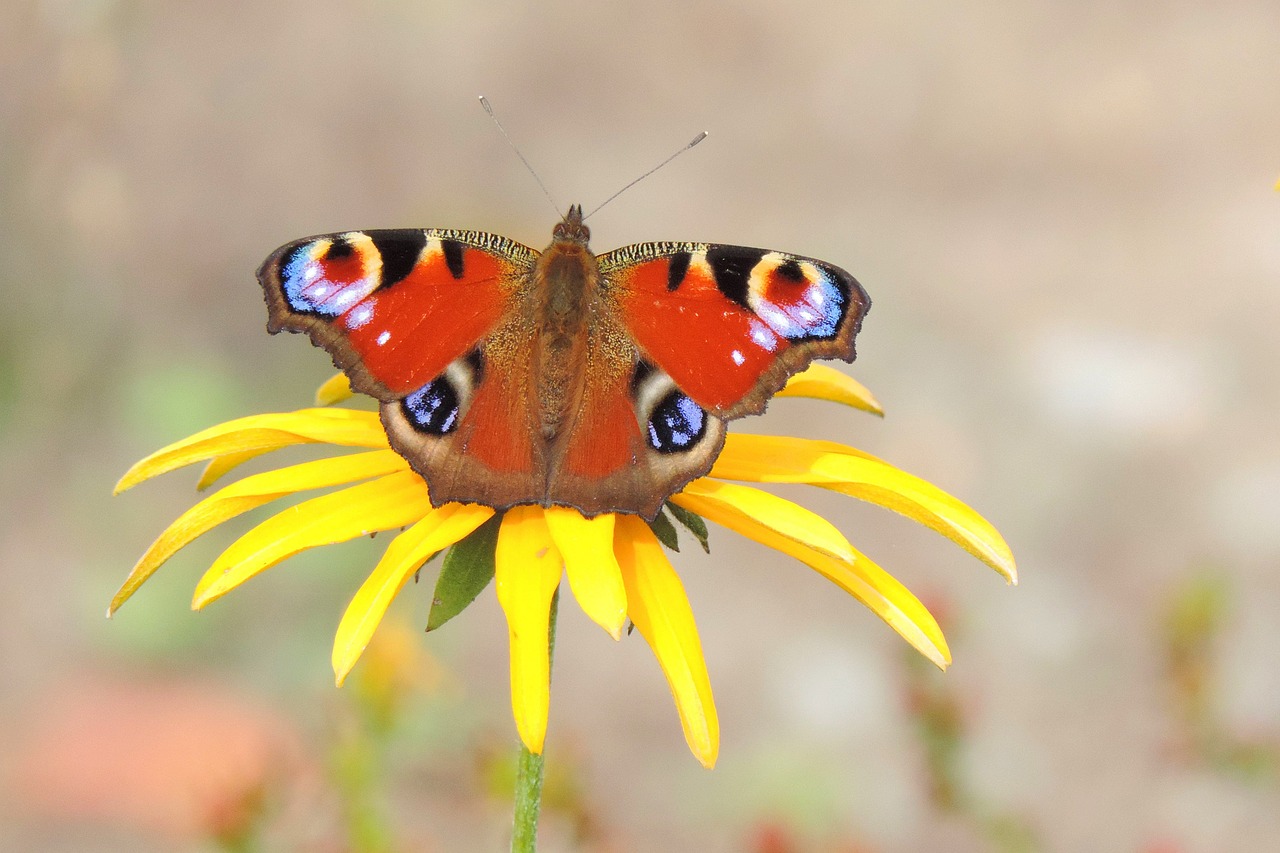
1066	219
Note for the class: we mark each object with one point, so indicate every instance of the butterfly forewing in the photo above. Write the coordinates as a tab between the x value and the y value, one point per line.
394	308
730	324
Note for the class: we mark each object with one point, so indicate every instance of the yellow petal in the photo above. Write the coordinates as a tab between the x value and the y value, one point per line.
775	458
334	390
587	548
250	493
742	508
861	578
826	383
219	466
660	610
406	553
388	502
771	459
527	573
261	433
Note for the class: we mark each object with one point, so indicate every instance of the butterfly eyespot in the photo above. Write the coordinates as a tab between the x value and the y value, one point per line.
433	408
677	424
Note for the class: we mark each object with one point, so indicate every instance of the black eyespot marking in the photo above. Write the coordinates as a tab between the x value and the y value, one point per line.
790	270
475	361
642	372
732	267
339	249
677	424
400	251
433	408
677	269
453	257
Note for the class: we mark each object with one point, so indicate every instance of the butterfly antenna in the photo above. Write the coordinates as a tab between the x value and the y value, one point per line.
693	142
484	102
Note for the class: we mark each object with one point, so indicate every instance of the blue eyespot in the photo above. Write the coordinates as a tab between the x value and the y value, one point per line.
433	408
677	423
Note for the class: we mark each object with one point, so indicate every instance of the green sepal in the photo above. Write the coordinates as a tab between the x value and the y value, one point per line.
468	568
665	531
692	522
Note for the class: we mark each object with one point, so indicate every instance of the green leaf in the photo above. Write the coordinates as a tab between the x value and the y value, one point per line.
468	568
692	522
665	531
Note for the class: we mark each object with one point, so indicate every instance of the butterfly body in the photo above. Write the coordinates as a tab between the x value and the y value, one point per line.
508	376
564	294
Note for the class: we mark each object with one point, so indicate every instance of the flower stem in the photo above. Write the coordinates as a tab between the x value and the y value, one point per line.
529	771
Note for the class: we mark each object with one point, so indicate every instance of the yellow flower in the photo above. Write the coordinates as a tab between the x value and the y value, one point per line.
615	564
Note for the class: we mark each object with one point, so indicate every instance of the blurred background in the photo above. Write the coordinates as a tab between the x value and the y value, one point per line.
1066	217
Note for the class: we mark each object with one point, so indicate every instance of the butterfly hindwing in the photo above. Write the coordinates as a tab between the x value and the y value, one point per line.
730	324
471	432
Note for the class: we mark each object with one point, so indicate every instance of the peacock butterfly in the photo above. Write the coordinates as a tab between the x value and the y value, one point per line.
604	382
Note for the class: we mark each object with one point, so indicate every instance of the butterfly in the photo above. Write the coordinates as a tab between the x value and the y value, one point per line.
602	382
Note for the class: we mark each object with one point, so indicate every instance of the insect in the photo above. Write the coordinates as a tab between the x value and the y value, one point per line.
602	382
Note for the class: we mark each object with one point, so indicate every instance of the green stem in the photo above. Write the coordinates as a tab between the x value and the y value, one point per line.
529	772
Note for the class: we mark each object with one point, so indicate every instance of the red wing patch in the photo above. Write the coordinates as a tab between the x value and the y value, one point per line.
605	436
496	429
406	334
714	349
